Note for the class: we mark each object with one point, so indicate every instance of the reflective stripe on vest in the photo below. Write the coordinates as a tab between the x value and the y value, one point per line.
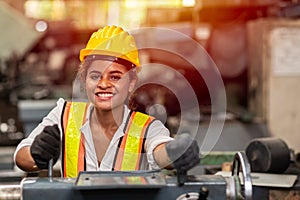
73	151
129	153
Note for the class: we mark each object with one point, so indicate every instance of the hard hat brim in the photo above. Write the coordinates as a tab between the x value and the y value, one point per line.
129	65
87	52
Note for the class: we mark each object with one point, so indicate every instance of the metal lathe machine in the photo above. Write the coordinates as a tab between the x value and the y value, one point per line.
154	185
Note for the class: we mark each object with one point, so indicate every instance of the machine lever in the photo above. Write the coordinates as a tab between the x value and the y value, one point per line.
50	169
181	177
203	193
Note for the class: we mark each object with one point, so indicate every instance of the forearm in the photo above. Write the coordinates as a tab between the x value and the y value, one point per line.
161	157
25	161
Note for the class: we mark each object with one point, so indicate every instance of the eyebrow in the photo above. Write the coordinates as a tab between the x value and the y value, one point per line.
95	71
111	72
116	72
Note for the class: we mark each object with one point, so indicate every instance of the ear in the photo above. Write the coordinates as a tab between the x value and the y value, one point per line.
133	81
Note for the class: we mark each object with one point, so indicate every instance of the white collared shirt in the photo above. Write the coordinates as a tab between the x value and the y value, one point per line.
157	134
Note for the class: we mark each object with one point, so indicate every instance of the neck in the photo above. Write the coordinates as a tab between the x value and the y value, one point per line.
108	120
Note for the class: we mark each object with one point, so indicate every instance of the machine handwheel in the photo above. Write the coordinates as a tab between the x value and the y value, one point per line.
241	162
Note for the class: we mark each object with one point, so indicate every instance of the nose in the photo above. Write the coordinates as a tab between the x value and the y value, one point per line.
103	83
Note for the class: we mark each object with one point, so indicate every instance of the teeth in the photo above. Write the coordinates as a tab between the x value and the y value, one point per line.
105	95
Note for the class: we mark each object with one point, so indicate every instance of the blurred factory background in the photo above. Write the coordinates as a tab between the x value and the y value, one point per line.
255	45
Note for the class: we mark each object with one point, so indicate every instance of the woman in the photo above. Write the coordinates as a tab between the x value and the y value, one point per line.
105	134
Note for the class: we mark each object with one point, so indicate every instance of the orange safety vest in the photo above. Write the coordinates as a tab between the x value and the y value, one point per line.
129	151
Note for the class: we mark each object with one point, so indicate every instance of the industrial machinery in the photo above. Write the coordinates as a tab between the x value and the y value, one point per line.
143	185
274	76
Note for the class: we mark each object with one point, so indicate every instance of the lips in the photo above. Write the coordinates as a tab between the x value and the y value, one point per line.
104	95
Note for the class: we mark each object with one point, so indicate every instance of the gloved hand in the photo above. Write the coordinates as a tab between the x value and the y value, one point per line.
46	146
183	152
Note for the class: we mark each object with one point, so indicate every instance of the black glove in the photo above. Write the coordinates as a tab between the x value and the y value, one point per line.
183	152
46	146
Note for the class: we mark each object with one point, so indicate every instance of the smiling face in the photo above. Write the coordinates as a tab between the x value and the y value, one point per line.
108	84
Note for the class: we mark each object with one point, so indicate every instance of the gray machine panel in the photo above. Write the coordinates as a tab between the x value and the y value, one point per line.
163	187
129	179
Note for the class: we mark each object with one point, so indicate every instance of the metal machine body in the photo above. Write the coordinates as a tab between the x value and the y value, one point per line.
154	185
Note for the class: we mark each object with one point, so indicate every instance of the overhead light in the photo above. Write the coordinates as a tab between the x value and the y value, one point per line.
188	3
203	32
41	26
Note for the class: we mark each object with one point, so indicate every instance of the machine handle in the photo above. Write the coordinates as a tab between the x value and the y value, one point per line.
241	162
50	169
181	177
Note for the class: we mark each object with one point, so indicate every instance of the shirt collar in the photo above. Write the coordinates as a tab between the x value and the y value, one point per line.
121	127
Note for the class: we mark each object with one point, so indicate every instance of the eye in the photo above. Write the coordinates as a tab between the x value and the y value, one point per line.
115	77
94	76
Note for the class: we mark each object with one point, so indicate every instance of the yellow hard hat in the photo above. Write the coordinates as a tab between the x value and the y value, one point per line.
112	43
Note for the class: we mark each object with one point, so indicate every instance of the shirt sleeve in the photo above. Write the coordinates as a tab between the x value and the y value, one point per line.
53	117
157	134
